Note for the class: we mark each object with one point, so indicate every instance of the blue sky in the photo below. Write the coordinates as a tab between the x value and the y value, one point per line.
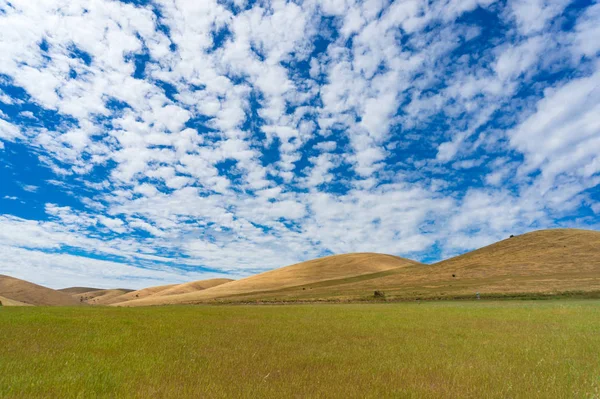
151	142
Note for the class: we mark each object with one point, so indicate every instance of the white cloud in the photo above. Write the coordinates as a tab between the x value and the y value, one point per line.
63	270
588	31
563	135
516	60
8	131
248	161
533	15
31	188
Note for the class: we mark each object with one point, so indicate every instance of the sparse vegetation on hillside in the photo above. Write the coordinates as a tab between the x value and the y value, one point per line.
533	349
541	264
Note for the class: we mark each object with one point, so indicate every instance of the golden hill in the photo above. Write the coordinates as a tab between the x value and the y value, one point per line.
33	294
540	251
330	270
541	262
165	290
78	290
99	296
537	263
194	286
139	294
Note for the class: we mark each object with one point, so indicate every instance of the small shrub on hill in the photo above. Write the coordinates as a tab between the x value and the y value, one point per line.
379	294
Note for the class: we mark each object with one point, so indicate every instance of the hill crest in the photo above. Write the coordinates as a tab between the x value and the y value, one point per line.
33	294
334	267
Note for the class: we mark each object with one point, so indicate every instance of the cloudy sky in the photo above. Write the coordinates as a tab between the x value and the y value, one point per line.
150	142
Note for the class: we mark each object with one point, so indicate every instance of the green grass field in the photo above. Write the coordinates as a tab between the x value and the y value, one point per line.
501	349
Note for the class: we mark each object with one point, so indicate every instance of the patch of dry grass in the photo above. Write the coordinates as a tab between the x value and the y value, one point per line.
10	302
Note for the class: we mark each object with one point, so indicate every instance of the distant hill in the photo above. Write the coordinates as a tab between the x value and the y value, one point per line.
33	294
99	296
539	252
78	290
537	263
543	262
194	286
330	270
165	290
546	261
139	294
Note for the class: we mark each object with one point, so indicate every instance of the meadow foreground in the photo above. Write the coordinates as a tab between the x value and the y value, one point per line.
518	349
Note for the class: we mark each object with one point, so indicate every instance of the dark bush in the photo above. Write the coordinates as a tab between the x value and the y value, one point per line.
379	294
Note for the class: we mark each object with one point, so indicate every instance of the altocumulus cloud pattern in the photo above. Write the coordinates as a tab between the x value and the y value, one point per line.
144	142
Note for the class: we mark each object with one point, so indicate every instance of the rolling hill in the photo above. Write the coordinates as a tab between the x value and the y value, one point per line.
542	262
139	294
164	290
78	290
328	271
100	296
33	294
194	286
537	263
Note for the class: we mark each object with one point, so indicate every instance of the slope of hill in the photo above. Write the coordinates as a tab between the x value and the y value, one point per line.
537	263
540	262
164	290
328	271
100	297
538	252
139	294
78	290
11	302
33	294
194	286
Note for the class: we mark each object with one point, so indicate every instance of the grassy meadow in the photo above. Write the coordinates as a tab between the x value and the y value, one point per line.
483	349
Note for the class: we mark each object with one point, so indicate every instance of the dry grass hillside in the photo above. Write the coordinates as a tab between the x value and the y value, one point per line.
194	286
538	252
99	296
139	294
78	290
542	262
330	270
10	302
163	290
33	294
